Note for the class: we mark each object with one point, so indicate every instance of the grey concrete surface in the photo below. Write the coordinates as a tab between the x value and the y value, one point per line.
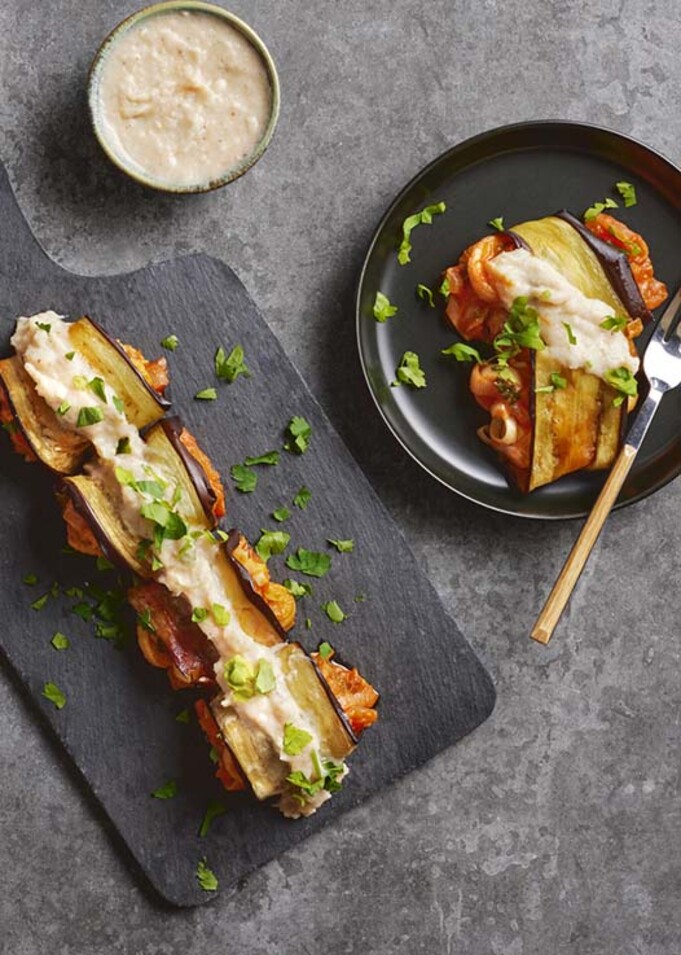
554	829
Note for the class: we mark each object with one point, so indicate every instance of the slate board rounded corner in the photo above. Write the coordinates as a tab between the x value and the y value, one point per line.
118	727
521	171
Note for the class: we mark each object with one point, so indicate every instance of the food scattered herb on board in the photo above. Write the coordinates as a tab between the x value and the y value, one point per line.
497	223
297	589
309	562
383	309
333	611
297	435
206	877
166	791
214	809
60	641
244	478
184	716
342	546
206	394
228	367
325	650
269	457
424	217
271	543
170	342
302	498
52	693
281	514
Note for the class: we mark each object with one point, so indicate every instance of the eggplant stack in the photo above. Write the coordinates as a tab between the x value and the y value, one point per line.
561	303
135	487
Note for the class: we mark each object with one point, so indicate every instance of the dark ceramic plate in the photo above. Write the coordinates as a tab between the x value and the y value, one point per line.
519	172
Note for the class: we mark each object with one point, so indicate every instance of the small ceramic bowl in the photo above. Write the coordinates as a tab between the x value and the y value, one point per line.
125	163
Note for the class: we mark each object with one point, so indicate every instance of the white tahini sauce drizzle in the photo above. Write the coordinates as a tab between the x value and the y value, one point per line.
192	573
558	302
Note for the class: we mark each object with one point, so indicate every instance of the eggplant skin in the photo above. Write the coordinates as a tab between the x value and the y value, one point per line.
173	429
616	266
230	545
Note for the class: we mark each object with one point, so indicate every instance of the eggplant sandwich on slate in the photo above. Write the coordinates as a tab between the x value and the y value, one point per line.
136	489
561	303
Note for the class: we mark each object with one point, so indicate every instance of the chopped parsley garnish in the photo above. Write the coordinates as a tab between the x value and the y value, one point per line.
298	589
444	287
281	514
599	207
144	619
245	680
570	334
52	693
425	294
170	342
244	479
44	326
79	382
463	352
622	380
295	739
298	433
271	543
383	310
60	641
520	331
302	498
118	404
83	610
269	457
166	791
265	680
89	416
334	612
424	217
206	877
123	446
221	615
308	623
214	809
229	367
360	598
40	602
327	778
497	223
628	193
409	371
103	564
325	650
63	408
11	427
309	562
96	386
168	525
30	580
206	394
342	546
184	716
556	382
614	323
70	355
199	614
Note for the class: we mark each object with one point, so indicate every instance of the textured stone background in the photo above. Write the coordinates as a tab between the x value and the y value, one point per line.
555	827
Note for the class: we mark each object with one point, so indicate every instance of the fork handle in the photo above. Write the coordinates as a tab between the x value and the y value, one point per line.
563	587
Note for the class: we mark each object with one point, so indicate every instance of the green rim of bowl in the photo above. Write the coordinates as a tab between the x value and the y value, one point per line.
94	79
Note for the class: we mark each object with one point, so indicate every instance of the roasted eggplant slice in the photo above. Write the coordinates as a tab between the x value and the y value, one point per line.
257	755
227	770
276	596
60	449
203	497
143	405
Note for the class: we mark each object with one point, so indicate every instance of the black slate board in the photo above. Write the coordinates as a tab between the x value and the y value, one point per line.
118	725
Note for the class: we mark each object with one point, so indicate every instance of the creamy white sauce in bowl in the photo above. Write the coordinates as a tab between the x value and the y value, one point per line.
184	96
